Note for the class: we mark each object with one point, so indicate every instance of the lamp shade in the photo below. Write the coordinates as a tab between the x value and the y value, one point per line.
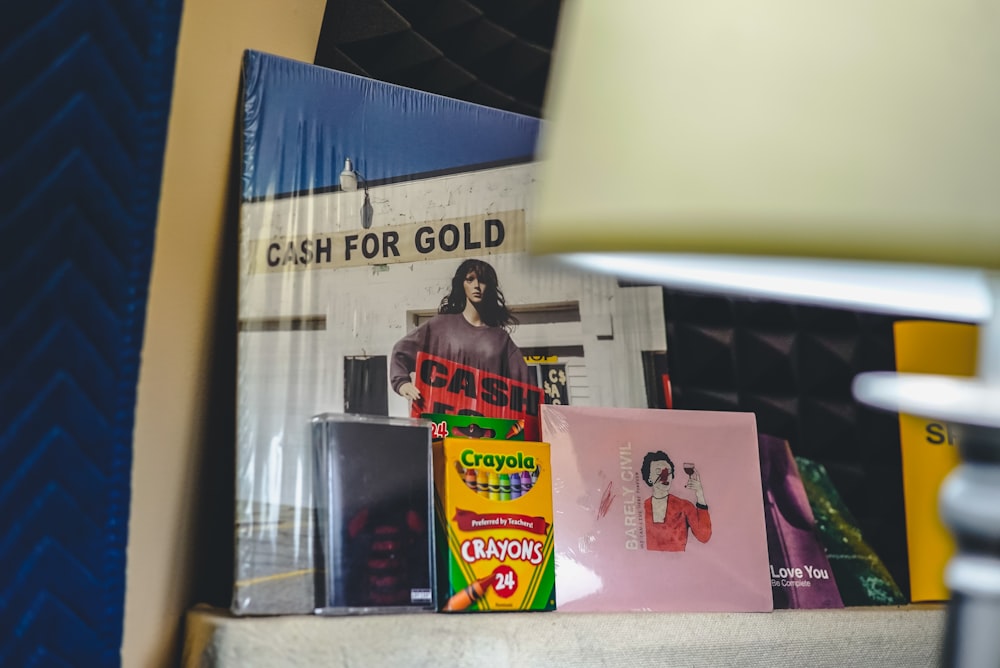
825	130
848	129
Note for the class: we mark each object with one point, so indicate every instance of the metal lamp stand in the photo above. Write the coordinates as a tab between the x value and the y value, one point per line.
970	495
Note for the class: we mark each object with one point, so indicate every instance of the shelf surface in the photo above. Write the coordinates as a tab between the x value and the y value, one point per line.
890	636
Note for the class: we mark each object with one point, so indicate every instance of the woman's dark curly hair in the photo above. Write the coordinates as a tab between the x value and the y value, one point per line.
493	308
648	460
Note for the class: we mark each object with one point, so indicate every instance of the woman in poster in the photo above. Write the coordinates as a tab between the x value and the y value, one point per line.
471	328
669	517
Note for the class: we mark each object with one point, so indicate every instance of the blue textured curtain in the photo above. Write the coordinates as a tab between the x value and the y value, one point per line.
85	91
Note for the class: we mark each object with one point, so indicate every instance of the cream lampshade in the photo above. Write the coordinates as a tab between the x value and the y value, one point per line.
838	153
862	130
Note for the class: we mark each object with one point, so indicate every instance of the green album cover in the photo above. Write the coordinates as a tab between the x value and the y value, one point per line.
860	574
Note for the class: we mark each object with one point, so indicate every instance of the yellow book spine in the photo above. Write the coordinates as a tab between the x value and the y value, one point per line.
929	448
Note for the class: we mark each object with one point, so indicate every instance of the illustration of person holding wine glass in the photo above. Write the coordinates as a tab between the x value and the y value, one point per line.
670	518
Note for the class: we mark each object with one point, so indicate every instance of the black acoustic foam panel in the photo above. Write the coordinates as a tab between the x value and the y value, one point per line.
793	366
491	52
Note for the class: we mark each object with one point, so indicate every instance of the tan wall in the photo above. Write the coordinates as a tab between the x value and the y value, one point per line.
170	431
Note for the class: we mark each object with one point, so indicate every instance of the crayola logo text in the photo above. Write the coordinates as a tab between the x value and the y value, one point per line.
472	459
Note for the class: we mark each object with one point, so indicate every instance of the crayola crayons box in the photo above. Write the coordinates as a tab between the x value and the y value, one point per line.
495	537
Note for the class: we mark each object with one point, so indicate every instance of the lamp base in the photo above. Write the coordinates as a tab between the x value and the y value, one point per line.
969	500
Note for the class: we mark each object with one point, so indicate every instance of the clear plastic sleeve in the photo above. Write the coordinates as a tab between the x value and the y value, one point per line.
372	216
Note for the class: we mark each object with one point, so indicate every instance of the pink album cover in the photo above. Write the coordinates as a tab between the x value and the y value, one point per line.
657	510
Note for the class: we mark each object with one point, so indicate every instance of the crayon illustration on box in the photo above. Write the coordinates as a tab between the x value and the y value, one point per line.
494	511
657	510
474	426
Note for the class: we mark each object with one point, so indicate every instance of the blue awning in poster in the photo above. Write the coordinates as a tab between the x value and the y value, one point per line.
300	123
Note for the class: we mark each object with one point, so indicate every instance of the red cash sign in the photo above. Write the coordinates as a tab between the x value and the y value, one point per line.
456	389
470	521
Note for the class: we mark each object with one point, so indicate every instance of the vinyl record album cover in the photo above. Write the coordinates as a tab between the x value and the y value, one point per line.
801	575
861	575
657	510
384	270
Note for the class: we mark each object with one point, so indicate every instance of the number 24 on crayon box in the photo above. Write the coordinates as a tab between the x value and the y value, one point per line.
494	508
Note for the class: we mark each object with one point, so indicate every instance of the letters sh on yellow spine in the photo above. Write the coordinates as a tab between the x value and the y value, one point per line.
929	448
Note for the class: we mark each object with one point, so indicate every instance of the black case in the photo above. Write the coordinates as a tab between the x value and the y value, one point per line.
374	514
